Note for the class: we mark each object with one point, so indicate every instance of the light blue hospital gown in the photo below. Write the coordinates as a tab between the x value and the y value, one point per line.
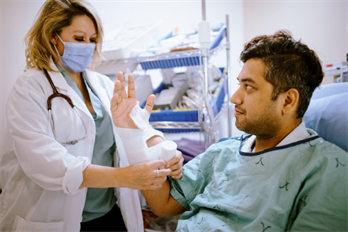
301	186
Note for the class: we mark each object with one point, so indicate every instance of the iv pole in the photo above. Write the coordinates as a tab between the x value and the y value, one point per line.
229	122
204	39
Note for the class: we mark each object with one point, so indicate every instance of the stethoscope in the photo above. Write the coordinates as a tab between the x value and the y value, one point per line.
49	108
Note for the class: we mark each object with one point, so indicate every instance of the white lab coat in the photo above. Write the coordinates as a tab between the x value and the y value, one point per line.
39	176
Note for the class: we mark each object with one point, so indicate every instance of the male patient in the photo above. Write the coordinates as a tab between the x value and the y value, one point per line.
281	176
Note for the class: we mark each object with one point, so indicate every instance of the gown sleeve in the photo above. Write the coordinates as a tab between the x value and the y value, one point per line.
197	174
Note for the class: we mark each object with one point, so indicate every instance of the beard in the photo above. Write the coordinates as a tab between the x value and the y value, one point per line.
264	125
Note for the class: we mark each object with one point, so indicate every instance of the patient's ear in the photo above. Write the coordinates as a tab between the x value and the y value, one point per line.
290	101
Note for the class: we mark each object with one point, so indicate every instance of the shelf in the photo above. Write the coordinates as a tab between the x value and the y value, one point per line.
179	59
182	121
187	120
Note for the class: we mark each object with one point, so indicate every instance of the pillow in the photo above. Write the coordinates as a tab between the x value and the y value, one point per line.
329	90
328	116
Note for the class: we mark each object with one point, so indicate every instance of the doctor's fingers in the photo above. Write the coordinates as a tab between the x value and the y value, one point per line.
176	170
177	159
122	88
147	182
155	173
154	165
176	174
175	164
161	173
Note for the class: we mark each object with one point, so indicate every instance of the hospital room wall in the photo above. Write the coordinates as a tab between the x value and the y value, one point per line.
322	25
16	19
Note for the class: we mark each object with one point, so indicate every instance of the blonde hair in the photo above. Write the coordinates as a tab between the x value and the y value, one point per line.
52	17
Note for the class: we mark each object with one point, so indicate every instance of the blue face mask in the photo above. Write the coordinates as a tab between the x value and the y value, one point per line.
77	56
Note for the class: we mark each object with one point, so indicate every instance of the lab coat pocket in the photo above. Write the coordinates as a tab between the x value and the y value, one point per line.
22	225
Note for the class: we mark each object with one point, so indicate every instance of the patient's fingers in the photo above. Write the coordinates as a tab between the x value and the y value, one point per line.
117	90
113	103
150	103
131	86
117	86
122	89
118	99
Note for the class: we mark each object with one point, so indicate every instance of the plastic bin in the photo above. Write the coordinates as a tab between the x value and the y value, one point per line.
182	121
122	42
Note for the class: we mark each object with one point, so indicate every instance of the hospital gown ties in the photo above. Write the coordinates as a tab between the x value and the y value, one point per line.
301	186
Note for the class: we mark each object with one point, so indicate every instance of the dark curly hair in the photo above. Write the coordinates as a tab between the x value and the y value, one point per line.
289	64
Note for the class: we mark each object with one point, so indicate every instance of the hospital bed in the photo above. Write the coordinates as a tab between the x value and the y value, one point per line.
327	113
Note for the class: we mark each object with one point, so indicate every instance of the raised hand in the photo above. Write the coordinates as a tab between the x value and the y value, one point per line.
122	105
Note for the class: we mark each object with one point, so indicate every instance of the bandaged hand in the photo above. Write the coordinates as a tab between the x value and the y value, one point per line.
126	115
123	104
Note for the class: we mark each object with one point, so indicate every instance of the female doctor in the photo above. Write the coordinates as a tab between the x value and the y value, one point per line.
67	170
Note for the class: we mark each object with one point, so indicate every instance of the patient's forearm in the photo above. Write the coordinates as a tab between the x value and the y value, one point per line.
161	202
154	141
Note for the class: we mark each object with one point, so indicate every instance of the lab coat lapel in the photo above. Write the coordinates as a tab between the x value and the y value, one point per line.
64	88
95	83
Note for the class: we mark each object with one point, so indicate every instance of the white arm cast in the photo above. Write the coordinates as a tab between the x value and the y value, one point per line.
135	145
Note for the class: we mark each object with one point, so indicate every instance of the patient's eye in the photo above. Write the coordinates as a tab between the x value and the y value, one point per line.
247	86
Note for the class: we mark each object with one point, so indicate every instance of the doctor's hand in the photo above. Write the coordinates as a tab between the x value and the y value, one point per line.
145	176
175	165
122	105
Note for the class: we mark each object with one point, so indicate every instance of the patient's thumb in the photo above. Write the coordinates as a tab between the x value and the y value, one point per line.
150	103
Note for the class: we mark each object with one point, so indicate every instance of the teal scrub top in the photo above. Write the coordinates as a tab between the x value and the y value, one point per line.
301	186
99	201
